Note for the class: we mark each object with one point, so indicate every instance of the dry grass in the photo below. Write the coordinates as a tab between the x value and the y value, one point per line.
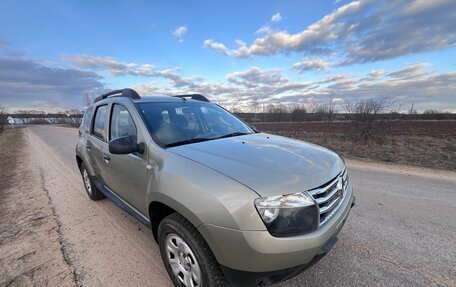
423	151
11	141
30	250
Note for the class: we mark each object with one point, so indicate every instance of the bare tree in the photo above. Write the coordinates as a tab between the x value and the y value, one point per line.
366	118
324	111
88	99
229	102
298	112
254	105
3	119
412	110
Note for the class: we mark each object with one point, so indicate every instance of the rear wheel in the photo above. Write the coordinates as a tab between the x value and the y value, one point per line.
92	191
186	255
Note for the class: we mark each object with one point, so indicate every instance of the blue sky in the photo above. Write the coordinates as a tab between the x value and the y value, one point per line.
236	52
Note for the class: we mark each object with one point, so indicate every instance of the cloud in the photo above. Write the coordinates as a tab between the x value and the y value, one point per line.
363	31
425	89
240	86
276	17
27	83
255	76
318	65
176	80
211	44
374	75
110	65
179	33
411	71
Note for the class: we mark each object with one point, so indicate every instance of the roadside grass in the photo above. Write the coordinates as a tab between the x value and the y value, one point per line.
422	151
11	143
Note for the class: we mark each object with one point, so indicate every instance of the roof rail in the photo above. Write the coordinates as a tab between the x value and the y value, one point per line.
128	93
196	97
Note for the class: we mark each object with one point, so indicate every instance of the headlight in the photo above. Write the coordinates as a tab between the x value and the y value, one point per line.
287	215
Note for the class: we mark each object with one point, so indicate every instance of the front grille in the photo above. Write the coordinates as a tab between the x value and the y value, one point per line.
329	196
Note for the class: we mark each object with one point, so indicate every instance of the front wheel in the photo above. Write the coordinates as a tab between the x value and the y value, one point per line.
186	255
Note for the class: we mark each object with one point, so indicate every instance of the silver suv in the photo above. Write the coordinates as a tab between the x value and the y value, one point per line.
226	204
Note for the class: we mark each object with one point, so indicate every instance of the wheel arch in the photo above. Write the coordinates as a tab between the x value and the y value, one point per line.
79	161
162	206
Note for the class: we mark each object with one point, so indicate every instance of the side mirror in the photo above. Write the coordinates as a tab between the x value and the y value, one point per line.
125	145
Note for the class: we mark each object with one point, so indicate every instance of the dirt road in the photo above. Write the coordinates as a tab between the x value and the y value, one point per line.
401	233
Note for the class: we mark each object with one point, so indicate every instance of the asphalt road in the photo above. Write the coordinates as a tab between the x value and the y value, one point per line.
402	231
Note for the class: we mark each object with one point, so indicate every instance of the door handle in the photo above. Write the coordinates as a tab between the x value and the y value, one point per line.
106	158
88	147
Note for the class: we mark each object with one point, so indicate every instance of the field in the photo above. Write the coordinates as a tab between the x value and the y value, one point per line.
418	143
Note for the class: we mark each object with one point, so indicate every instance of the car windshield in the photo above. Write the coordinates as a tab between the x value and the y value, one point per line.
178	123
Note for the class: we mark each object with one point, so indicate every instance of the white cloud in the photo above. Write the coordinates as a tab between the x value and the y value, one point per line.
363	31
176	80
110	65
211	44
179	33
425	89
255	76
276	17
411	71
305	65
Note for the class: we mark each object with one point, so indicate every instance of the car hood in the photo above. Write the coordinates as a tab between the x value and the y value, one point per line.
268	164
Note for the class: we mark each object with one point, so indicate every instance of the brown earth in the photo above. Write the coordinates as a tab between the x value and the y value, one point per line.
416	128
430	144
31	249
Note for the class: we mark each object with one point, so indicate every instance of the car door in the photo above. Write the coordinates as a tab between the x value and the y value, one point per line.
97	142
126	173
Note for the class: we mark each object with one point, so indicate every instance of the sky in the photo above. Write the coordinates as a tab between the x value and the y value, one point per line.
245	54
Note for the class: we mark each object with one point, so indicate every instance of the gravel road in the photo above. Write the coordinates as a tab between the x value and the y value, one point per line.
401	232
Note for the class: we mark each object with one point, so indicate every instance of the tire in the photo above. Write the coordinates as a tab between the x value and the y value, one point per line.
176	234
92	191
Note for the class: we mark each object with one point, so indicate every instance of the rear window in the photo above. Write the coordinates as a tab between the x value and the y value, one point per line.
99	122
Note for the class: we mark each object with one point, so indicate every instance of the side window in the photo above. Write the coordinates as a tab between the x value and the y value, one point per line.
99	122
122	123
86	119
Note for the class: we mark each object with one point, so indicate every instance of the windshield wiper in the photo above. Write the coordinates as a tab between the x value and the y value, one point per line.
233	135
195	140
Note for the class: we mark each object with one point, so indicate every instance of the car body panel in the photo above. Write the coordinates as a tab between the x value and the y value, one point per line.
126	175
268	164
259	251
95	148
204	195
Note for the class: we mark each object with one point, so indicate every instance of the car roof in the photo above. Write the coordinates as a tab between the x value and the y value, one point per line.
147	99
132	95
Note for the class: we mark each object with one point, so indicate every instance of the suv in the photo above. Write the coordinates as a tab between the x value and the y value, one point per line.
226	204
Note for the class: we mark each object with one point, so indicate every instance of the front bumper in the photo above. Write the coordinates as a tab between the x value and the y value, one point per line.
245	278
260	252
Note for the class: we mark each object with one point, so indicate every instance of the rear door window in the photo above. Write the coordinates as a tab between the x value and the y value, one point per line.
99	122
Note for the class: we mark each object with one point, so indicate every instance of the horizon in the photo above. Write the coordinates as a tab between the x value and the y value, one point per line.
53	53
